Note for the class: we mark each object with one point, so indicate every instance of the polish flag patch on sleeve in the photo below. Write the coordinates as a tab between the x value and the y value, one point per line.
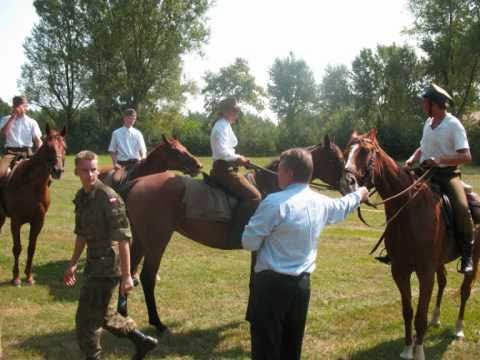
113	200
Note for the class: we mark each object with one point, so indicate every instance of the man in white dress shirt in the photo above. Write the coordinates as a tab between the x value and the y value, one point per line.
127	145
284	231
21	133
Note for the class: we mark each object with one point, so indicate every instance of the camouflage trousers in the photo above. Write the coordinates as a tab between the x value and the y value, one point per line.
96	310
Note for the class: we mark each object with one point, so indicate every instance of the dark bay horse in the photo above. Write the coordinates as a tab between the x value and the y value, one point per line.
156	210
169	155
416	239
26	197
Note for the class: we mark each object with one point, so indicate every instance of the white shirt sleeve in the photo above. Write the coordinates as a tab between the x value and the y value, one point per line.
460	140
142	146
36	130
113	143
338	209
261	224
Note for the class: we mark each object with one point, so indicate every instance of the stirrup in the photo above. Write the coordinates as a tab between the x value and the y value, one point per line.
384	259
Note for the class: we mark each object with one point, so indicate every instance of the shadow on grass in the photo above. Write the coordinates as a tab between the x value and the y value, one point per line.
195	344
393	348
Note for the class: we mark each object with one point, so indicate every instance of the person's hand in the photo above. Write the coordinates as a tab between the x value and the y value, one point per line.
126	285
243	161
363	192
69	276
432	162
409	162
16	112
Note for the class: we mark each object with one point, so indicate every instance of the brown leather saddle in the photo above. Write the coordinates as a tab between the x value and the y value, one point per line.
120	180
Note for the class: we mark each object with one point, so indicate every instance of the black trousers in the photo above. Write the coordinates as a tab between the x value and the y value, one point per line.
279	305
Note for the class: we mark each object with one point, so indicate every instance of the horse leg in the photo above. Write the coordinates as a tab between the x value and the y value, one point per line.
35	228
136	255
2	218
465	290
147	278
402	279
16	250
441	282
426	280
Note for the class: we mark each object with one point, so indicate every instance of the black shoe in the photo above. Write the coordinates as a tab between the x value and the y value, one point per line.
143	344
383	259
466	265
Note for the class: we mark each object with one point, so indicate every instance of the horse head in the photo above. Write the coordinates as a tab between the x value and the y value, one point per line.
54	149
176	156
362	151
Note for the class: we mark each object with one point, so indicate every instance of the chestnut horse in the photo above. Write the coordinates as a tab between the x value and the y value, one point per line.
416	236
156	210
169	155
26	197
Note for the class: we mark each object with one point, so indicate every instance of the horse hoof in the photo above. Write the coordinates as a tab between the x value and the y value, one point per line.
30	282
435	324
407	352
460	336
17	282
162	330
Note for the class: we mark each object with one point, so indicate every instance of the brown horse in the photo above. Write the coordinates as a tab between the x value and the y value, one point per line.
156	210
26	196
416	238
169	155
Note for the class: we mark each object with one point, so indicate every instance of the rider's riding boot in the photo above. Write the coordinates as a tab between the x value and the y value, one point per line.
383	259
240	217
466	264
143	344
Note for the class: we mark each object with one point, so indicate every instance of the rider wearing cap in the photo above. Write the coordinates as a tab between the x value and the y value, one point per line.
444	145
225	169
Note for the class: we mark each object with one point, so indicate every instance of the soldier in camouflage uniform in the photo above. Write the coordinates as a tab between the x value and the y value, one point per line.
102	225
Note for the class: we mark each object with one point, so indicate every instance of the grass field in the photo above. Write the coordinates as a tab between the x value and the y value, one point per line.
354	310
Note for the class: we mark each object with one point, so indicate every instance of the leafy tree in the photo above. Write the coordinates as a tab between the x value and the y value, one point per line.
335	88
449	33
53	75
292	88
135	48
5	108
233	81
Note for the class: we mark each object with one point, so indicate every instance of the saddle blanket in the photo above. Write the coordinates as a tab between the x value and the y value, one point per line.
205	202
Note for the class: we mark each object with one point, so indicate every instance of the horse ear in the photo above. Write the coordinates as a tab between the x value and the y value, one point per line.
64	131
326	141
47	129
372	134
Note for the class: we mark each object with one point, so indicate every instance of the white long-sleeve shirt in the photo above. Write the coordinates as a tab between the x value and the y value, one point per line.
223	141
22	131
127	143
286	226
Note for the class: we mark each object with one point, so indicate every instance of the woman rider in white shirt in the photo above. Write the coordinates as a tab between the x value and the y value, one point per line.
225	169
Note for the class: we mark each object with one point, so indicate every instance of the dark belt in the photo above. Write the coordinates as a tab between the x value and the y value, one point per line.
285	276
127	162
18	149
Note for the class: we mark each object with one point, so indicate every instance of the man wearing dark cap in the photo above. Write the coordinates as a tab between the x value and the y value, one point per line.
444	145
21	133
127	145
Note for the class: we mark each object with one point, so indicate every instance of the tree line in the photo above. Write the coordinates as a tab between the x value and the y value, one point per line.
88	60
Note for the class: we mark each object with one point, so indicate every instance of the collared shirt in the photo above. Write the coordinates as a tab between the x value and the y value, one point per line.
448	137
127	143
285	228
223	141
22	131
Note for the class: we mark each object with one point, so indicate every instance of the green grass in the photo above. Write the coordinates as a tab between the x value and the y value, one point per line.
354	311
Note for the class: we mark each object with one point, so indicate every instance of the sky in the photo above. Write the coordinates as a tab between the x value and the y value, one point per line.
321	32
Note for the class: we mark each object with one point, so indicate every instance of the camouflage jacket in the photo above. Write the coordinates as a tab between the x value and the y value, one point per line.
100	219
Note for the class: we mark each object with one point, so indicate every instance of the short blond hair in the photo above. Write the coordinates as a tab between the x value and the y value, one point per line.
85	155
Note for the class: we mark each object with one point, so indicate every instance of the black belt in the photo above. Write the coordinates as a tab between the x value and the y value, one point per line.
18	149
127	162
286	276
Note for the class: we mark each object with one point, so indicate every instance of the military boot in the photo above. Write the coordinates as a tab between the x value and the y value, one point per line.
143	344
466	263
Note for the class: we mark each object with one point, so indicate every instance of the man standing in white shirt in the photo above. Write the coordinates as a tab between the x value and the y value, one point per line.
127	145
284	231
21	133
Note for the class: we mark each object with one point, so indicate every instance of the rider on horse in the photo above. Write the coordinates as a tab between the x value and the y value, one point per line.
21	132
444	145
225	169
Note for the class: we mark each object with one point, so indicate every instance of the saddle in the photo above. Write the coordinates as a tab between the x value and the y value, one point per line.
119	180
454	250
